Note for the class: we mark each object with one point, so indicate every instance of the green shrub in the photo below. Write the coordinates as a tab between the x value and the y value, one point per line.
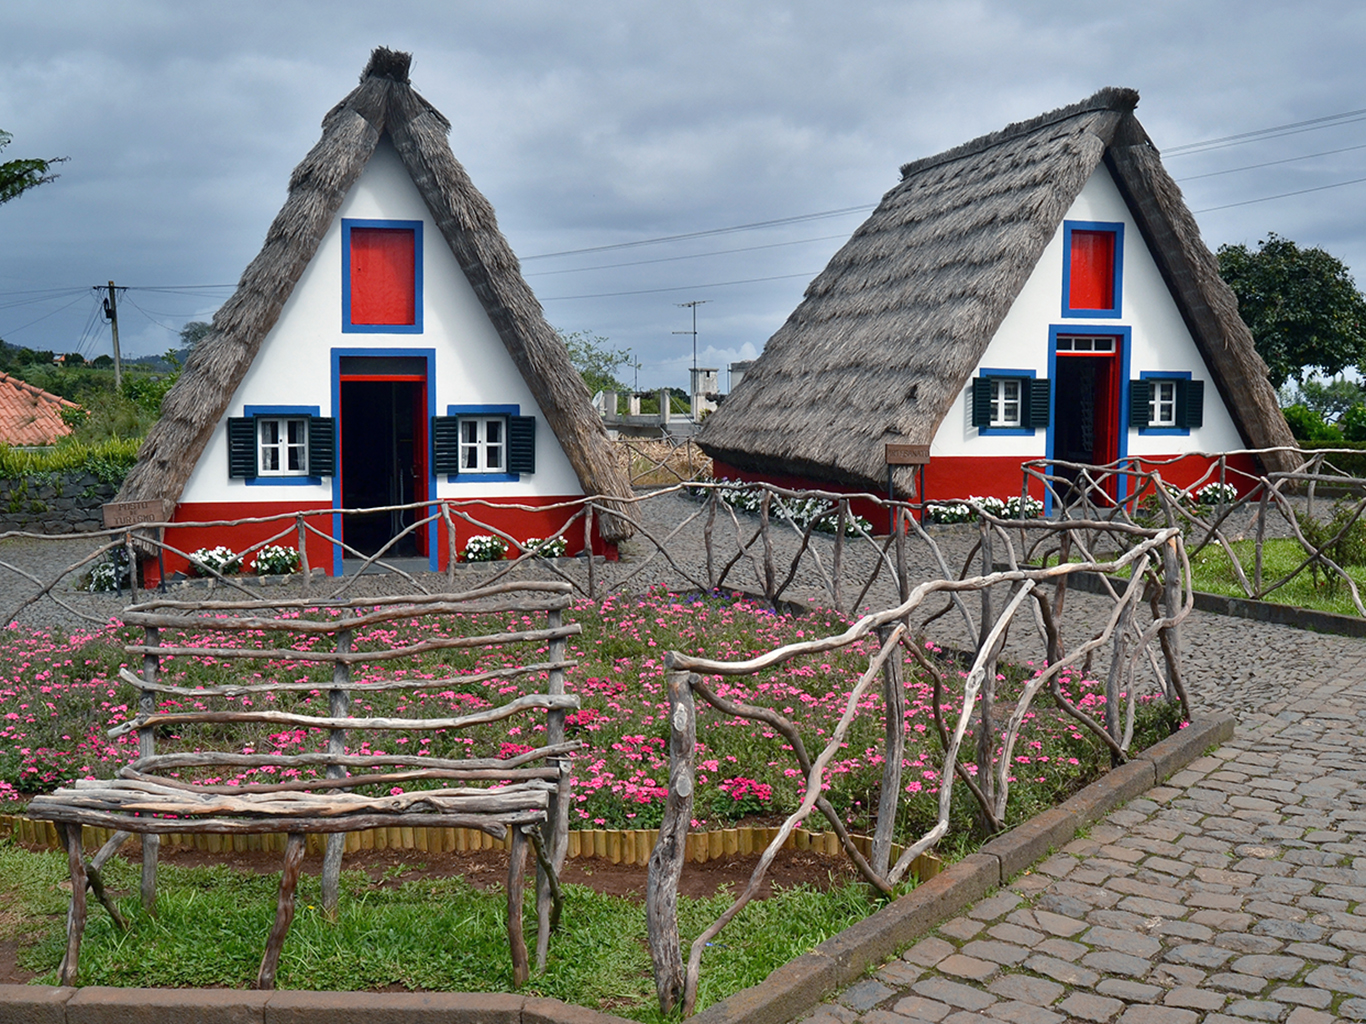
1307	425
109	460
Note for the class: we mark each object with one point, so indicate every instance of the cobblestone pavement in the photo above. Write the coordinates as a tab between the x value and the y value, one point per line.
1233	892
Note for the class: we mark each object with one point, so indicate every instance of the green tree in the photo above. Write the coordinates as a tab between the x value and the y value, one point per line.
596	362
1333	399
1301	305
18	176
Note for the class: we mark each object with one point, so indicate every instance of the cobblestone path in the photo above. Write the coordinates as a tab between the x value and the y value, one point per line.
1233	892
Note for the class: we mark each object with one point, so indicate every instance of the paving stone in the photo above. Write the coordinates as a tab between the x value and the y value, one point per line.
1058	866
928	952
831	1013
921	1008
1063	949
1151	907
960	928
953	993
1278	968
899	973
1158	1015
1243	943
1091	1007
1024	1013
1122	920
1304	1015
1268	908
1352	941
1223	921
1302	996
965	1017
994	906
1015	934
997	952
1024	918
1062	970
887	1017
1026	989
1129	991
1178	974
1338	979
864	995
1058	905
969	967
1296	931
1195	998
1353	1009
1256	1009
1174	930
1111	962
1198	955
1122	941
1234	982
1315	951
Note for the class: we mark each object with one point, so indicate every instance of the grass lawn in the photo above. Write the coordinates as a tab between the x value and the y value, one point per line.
1213	573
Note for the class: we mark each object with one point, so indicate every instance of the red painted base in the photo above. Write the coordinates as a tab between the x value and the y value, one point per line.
209	524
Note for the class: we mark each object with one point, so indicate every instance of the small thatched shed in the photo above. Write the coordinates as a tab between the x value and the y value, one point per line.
383	347
939	323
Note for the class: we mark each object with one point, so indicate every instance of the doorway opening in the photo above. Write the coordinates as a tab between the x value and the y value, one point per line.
1086	421
383	451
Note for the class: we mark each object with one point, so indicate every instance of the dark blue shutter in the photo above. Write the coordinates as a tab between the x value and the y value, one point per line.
322	446
446	445
242	447
1190	404
521	444
981	401
1035	410
1140	395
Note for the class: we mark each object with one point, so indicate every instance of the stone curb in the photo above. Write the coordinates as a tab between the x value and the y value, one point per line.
785	994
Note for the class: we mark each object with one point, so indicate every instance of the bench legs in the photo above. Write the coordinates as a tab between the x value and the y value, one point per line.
75	918
521	969
284	910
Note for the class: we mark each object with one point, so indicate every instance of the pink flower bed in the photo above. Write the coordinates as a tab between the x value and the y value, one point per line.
58	696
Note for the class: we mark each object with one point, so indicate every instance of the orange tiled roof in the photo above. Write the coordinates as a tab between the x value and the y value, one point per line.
29	415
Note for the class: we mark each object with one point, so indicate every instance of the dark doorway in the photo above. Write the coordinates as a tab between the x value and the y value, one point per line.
1086	412
383	460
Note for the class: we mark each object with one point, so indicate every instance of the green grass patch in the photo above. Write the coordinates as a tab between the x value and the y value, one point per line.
436	934
1212	572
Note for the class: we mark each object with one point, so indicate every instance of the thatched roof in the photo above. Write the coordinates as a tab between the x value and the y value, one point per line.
383	104
889	333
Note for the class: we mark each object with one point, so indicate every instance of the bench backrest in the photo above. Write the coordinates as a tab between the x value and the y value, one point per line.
373	692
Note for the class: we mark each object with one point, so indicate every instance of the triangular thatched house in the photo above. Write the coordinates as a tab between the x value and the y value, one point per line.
382	349
1042	292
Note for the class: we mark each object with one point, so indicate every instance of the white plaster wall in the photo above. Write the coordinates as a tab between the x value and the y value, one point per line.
293	366
1159	341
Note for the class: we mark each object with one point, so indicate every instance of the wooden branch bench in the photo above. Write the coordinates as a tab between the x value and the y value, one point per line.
386	650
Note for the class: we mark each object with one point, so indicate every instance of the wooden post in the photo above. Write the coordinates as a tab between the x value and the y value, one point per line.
450	545
303	553
521	970
557	817
588	548
147	746
894	702
706	537
284	911
75	918
769	571
838	569
1261	540
666	860
338	706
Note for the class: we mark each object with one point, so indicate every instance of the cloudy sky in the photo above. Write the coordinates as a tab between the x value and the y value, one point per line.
639	154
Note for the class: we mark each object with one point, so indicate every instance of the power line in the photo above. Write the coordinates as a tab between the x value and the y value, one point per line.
689	256
1273	132
1281	195
779	222
1272	163
680	288
15	330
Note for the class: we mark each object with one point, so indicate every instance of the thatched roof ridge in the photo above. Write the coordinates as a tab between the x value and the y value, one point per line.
384	102
888	334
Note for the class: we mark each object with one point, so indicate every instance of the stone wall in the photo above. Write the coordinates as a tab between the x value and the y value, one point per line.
54	503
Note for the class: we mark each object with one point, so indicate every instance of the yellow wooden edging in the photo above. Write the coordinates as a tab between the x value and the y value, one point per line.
630	847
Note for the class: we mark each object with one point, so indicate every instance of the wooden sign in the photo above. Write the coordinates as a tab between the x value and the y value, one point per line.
119	514
908	454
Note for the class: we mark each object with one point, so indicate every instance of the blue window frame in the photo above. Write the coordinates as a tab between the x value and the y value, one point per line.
477	444
281	412
1115	270
349	327
1003	398
1168	394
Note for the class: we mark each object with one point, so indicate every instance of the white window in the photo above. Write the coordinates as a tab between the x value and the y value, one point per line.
1083	344
1005	402
483	444
1161	403
282	446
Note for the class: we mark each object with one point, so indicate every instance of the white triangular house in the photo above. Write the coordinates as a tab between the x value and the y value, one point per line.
382	349
1039	293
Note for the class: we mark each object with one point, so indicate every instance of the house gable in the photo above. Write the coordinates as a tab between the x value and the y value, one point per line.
471	367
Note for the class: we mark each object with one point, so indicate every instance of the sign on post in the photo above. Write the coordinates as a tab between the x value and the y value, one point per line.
119	514
908	454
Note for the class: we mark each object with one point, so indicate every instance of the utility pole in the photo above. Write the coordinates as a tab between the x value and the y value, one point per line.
111	313
693	306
